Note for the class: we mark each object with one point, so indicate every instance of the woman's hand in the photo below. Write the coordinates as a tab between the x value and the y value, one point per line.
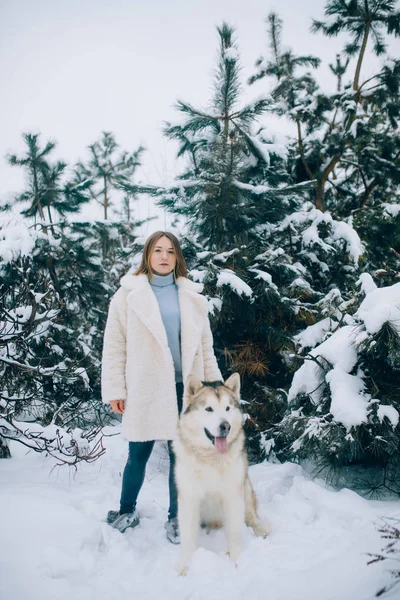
118	406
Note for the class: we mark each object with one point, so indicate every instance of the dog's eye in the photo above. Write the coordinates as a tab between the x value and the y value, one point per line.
209	409
228	408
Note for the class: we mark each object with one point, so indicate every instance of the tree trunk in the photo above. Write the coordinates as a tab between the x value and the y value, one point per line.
320	196
50	219
105	199
320	190
301	150
53	275
4	449
361	57
37	199
367	194
104	242
226	127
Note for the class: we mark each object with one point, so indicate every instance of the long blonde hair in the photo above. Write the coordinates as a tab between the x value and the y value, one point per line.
145	267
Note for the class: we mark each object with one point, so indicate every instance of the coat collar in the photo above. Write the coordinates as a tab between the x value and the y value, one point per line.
193	308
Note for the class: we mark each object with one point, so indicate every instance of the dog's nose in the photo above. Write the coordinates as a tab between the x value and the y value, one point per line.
224	428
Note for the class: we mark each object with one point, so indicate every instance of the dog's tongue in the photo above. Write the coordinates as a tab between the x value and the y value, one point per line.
221	444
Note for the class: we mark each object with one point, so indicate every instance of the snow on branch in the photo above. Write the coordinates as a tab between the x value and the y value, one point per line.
228	277
67	447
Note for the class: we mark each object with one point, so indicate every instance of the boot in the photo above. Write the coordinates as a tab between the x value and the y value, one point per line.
124	521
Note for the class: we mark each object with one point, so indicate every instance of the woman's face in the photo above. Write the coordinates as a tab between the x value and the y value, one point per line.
163	257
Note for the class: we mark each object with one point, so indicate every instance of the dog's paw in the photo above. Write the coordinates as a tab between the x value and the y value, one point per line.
181	570
233	561
262	529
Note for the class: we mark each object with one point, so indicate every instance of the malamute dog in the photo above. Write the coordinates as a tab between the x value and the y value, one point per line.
211	467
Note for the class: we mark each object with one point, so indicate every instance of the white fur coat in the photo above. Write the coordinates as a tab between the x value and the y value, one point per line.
137	364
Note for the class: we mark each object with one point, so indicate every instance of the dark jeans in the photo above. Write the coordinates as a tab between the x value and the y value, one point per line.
133	477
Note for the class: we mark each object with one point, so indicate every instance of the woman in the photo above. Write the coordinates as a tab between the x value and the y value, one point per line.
157	333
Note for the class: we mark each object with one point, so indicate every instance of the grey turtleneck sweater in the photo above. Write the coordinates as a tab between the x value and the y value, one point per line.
166	292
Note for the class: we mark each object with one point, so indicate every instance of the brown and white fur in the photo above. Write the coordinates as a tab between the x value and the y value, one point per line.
211	469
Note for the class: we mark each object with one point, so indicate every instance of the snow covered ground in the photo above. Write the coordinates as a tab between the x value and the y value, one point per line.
55	544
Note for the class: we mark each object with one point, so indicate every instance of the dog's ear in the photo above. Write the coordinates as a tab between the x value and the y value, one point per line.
233	383
193	385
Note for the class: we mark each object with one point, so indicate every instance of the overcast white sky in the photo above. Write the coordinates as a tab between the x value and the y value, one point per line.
73	68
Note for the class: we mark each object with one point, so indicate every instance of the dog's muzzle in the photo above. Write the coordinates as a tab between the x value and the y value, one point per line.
220	442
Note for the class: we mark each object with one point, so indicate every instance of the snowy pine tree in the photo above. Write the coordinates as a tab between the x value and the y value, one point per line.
55	291
46	192
331	147
341	140
344	401
108	172
237	196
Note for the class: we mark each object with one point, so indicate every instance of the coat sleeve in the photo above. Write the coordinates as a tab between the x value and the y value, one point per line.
113	383
211	370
